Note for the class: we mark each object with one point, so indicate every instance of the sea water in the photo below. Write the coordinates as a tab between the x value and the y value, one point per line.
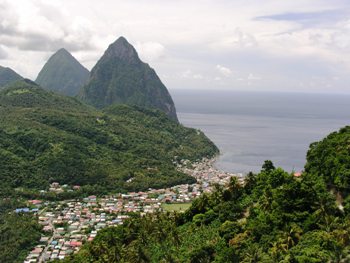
250	127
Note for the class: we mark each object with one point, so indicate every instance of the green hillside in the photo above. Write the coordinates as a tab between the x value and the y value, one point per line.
46	137
330	159
19	233
27	94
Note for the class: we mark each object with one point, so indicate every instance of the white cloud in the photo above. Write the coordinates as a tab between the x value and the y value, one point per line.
223	70
198	76
150	51
3	53
235	40
34	25
177	35
251	76
188	74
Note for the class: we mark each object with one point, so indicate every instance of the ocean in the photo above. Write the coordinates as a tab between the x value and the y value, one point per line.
250	127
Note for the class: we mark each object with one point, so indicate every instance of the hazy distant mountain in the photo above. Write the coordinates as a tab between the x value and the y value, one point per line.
121	77
63	73
8	76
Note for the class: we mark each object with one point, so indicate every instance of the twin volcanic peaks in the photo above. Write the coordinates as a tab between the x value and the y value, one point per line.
119	77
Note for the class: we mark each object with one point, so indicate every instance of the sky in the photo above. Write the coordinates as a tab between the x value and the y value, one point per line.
270	45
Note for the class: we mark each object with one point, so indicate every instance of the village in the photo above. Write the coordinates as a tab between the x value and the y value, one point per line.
69	224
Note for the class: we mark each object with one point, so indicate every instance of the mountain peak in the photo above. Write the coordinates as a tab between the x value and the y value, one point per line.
123	40
120	77
63	51
63	73
8	76
122	50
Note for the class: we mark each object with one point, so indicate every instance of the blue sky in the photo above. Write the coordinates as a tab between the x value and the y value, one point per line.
299	45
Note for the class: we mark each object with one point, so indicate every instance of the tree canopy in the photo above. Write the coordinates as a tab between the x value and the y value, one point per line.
273	217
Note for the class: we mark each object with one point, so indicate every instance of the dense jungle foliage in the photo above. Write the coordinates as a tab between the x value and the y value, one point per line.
18	232
45	137
330	159
274	217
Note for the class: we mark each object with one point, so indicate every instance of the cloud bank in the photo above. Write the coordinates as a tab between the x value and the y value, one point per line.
299	45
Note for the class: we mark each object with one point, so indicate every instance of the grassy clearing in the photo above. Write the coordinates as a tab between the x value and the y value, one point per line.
182	207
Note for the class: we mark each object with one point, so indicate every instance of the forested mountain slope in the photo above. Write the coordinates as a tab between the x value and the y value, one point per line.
46	137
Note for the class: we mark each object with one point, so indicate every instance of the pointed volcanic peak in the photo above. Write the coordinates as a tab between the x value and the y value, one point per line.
62	73
8	76
120	77
123	50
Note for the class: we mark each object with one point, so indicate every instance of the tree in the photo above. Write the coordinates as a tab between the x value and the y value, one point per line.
268	166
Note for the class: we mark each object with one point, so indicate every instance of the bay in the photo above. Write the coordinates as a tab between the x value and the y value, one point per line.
250	127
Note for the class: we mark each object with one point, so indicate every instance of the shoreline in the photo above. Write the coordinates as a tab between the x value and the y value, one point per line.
207	174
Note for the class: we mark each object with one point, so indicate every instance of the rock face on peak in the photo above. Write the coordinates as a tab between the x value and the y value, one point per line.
123	50
120	77
8	76
63	73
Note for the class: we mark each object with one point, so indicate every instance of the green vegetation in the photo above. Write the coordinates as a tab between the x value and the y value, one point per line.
330	159
8	76
121	77
46	137
18	232
273	217
182	207
63	73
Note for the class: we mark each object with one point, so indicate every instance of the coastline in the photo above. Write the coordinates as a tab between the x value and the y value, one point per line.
207	174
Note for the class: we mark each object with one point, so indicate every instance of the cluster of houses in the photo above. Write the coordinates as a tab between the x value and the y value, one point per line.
207	175
57	188
69	224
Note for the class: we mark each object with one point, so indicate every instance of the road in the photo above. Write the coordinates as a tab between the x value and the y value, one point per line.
41	258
